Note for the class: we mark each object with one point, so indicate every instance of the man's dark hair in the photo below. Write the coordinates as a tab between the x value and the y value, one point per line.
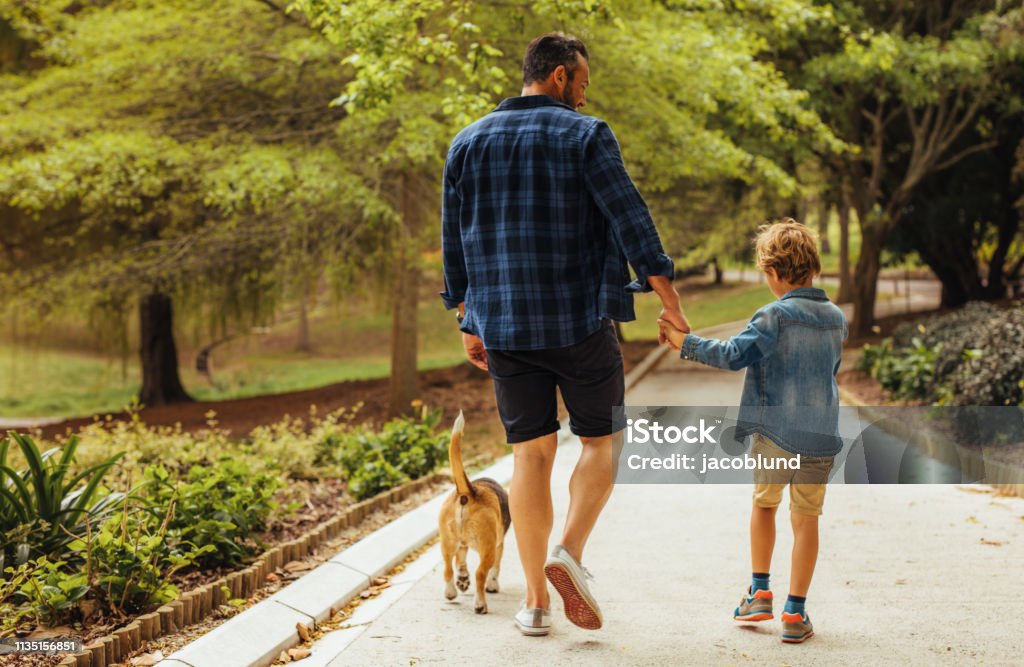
547	52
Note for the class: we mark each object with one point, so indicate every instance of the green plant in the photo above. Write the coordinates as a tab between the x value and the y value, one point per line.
374	475
405	448
128	565
42	511
222	506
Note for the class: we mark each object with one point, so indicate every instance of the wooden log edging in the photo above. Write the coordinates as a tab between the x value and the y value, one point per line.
195	605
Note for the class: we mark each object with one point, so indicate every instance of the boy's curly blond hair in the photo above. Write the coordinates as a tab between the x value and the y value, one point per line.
789	249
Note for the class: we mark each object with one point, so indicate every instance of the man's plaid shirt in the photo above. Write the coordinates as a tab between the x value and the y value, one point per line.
539	219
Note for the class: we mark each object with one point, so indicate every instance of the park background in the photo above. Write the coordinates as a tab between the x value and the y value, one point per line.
219	241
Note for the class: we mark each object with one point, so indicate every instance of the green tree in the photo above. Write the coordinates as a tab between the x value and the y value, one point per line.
683	84
171	157
925	72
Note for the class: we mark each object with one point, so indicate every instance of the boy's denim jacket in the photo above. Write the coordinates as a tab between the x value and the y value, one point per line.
791	350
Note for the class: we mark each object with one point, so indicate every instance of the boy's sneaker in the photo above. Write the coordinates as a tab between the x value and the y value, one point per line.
796	627
756	607
570	580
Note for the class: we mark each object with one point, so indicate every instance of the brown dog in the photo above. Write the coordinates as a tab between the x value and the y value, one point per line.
475	515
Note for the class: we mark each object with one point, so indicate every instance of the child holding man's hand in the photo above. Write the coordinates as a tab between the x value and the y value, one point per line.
790	404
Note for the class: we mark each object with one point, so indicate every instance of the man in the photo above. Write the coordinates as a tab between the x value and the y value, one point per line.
539	219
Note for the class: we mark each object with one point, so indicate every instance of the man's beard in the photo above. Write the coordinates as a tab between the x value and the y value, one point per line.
567	97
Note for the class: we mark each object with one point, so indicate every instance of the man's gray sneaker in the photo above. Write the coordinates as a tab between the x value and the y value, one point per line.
570	580
533	622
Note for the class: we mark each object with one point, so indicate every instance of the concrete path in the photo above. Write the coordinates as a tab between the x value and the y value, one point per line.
904	296
910	575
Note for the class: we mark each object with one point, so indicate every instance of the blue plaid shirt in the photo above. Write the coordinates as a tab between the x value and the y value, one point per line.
538	220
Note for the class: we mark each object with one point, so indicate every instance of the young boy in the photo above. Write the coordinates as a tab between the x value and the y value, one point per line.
790	404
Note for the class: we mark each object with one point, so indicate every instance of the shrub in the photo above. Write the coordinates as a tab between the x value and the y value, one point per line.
373	475
991	371
41	509
42	591
128	565
222	506
973	356
405	448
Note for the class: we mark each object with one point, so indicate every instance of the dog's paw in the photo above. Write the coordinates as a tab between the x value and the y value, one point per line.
463	581
449	591
492	586
481	607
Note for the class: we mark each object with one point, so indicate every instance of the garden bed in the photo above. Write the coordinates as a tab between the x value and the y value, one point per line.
300	482
968	361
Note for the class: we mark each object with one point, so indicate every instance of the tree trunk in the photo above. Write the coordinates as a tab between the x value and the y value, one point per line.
823	210
161	384
865	287
845	283
404	382
302	343
718	270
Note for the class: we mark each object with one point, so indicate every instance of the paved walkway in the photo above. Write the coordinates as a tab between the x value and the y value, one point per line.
911	575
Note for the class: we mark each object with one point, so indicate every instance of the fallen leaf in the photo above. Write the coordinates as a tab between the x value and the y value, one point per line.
284	657
369	592
901	582
148	659
273	577
380	580
299	653
975	489
47	633
992	543
303	631
386	584
297	566
972	519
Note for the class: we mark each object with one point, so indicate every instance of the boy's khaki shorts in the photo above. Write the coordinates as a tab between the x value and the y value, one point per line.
807	485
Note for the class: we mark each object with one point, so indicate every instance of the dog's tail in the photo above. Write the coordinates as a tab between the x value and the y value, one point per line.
455	458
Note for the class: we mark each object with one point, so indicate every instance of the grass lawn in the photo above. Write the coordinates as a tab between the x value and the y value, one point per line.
350	342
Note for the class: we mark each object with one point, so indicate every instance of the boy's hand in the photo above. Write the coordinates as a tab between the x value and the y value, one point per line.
670	334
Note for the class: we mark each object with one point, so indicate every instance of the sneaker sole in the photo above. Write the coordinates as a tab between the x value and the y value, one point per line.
532	632
762	616
797	640
578	610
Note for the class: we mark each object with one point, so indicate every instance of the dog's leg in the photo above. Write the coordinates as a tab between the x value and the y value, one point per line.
448	553
460	560
486	562
492	576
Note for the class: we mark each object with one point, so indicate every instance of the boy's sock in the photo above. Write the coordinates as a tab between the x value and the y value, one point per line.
795	605
760	582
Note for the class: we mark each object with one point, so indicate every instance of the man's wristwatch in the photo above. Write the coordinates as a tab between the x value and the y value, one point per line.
459	317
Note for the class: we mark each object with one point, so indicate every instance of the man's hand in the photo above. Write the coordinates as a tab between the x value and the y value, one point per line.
675	317
671	335
475	351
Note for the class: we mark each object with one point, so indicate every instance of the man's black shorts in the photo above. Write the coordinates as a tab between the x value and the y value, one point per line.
589	375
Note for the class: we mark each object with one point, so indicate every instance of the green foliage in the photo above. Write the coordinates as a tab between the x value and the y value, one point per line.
972	356
372	475
993	367
45	506
908	375
222	506
374	461
42	591
129	564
